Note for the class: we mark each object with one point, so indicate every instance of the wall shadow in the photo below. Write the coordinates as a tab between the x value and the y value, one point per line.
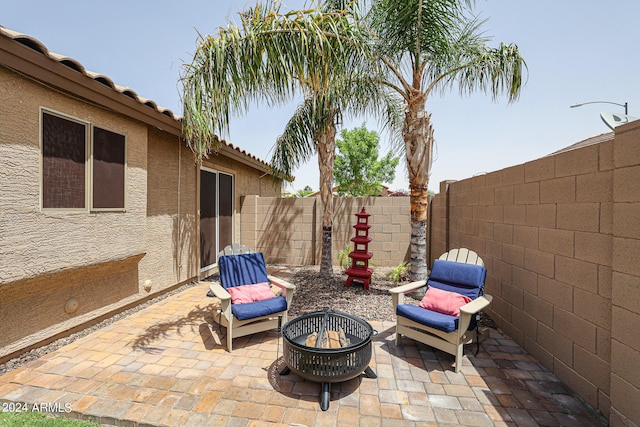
30	305
184	246
287	217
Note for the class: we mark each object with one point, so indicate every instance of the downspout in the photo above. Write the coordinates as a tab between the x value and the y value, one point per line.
447	215
260	183
179	222
429	229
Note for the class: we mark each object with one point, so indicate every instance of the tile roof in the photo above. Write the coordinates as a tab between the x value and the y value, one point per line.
36	45
603	137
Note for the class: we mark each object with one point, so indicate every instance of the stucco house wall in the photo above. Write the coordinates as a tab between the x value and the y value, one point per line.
170	217
50	257
62	269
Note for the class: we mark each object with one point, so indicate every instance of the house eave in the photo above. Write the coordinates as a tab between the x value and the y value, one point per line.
31	59
42	68
233	153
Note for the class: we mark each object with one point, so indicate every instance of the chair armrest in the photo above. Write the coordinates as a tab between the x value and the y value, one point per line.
476	305
468	310
403	289
281	283
287	288
224	297
219	291
397	293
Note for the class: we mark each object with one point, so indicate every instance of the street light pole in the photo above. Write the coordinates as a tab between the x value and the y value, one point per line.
625	105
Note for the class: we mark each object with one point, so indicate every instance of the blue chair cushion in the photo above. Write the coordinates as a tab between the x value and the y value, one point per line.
465	279
432	319
260	308
242	269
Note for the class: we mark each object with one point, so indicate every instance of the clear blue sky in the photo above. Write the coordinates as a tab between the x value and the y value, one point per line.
576	51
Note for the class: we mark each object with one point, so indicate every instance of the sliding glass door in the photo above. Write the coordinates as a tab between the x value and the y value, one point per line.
216	215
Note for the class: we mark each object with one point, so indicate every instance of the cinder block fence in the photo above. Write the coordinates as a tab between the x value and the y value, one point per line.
560	237
289	231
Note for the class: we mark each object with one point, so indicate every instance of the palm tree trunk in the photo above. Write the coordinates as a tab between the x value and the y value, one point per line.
326	156
418	138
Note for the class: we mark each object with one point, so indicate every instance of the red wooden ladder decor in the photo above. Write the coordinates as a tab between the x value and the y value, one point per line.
360	256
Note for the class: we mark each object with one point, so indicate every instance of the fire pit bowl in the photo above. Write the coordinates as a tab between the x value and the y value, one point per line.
327	365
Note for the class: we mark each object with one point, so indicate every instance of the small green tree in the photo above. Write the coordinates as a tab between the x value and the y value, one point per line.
300	193
357	170
304	192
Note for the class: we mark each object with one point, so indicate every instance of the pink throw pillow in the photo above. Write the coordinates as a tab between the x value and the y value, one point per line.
250	293
444	302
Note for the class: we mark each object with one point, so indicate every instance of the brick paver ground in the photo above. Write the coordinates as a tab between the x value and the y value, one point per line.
166	366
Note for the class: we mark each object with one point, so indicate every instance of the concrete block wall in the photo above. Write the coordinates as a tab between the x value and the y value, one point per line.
560	239
625	295
390	227
283	229
289	230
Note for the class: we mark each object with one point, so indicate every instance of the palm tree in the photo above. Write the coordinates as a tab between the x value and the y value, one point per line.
419	47
427	47
312	130
318	52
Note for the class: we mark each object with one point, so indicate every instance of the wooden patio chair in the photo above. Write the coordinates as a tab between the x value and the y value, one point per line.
248	305
234	249
446	318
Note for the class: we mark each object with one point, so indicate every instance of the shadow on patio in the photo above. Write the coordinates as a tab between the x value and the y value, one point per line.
165	365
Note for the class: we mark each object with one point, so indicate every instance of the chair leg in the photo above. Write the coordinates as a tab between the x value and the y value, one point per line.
483	334
229	341
398	337
459	353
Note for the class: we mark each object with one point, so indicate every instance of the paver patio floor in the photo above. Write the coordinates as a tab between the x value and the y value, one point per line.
166	366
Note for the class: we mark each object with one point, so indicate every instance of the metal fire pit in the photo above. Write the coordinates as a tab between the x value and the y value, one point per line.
327	365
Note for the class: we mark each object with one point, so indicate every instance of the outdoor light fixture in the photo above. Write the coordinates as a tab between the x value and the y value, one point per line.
625	105
611	119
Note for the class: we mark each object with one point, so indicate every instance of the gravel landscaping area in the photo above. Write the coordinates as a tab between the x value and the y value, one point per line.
315	293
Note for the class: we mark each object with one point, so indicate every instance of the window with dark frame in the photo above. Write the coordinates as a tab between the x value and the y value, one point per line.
216	215
64	160
108	169
225	210
64	165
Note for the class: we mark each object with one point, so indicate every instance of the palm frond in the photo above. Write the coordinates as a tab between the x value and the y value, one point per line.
298	141
268	58
471	65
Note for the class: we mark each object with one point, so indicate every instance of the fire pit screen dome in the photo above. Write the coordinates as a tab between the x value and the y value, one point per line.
327	365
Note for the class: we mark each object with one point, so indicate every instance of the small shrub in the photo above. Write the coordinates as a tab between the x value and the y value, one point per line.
399	273
343	257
